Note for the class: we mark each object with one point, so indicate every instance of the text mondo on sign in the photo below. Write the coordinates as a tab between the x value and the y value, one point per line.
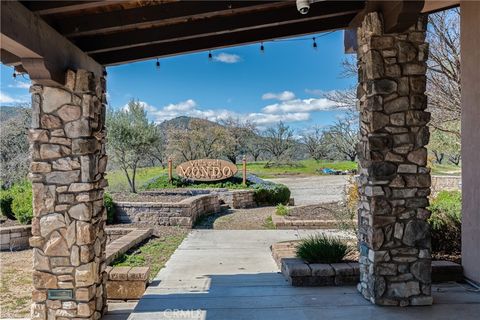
207	169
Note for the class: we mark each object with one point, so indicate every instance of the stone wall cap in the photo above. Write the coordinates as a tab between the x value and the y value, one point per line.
322	269
139	273
295	267
119	273
4	230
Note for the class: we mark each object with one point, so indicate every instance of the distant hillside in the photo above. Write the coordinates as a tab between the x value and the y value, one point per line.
183	122
9	112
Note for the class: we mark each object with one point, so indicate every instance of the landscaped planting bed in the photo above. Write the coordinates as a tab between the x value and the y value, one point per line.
301	273
318	216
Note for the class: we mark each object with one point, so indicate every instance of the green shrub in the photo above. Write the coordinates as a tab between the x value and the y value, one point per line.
322	249
108	202
271	194
22	202
446	222
6	200
161	182
281	210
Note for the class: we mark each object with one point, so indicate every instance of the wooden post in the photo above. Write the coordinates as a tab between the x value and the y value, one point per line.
170	177
244	170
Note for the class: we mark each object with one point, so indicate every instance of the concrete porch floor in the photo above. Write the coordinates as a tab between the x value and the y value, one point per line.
230	274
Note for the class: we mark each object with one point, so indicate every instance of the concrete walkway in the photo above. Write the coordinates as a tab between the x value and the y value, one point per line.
230	274
314	189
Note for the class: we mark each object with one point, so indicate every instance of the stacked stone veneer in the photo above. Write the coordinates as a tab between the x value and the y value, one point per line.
183	213
15	238
395	262
67	172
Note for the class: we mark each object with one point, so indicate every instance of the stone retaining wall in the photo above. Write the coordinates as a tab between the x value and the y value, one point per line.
236	199
15	238
447	183
183	213
126	283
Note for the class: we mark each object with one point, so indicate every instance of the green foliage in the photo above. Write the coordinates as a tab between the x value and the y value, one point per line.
131	138
161	182
108	202
22	202
6	199
322	249
271	194
281	210
268	223
446	222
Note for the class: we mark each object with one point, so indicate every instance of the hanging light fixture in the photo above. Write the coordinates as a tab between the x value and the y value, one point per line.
262	48
157	64
314	44
210	56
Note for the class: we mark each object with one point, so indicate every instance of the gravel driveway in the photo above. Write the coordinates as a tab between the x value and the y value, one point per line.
314	189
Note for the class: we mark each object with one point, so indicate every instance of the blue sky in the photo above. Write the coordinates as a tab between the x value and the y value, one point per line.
284	83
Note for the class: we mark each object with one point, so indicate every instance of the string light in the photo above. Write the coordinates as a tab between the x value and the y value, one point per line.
262	48
157	64
14	75
314	44
210	56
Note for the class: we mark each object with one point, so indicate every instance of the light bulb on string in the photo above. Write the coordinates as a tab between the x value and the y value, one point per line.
314	44
157	64
262	48
210	56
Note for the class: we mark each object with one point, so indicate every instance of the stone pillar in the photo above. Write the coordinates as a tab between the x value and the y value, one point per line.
394	182
67	142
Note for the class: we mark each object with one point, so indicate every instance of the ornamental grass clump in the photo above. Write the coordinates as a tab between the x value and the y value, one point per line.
322	249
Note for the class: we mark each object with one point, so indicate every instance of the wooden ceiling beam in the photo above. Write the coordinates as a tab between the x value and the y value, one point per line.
159	15
221	41
214	26
44	8
398	15
43	52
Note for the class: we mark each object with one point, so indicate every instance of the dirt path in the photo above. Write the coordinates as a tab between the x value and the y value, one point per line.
314	189
15	284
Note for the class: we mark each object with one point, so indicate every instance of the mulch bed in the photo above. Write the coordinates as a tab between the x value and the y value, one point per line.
142	197
324	211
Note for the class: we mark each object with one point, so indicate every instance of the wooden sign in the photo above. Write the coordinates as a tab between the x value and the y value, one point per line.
207	169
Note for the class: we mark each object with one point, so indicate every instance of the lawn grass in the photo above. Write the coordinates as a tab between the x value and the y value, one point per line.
117	181
154	253
446	170
304	167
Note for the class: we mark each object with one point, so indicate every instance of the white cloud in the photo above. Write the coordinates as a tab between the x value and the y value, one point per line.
5	98
300	105
282	96
20	85
190	108
227	57
181	106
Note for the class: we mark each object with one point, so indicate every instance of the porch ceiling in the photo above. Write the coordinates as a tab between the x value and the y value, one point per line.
116	32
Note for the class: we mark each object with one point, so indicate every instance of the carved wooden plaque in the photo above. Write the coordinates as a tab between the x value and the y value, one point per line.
207	169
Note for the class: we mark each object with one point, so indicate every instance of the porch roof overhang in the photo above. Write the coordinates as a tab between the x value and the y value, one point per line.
44	38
